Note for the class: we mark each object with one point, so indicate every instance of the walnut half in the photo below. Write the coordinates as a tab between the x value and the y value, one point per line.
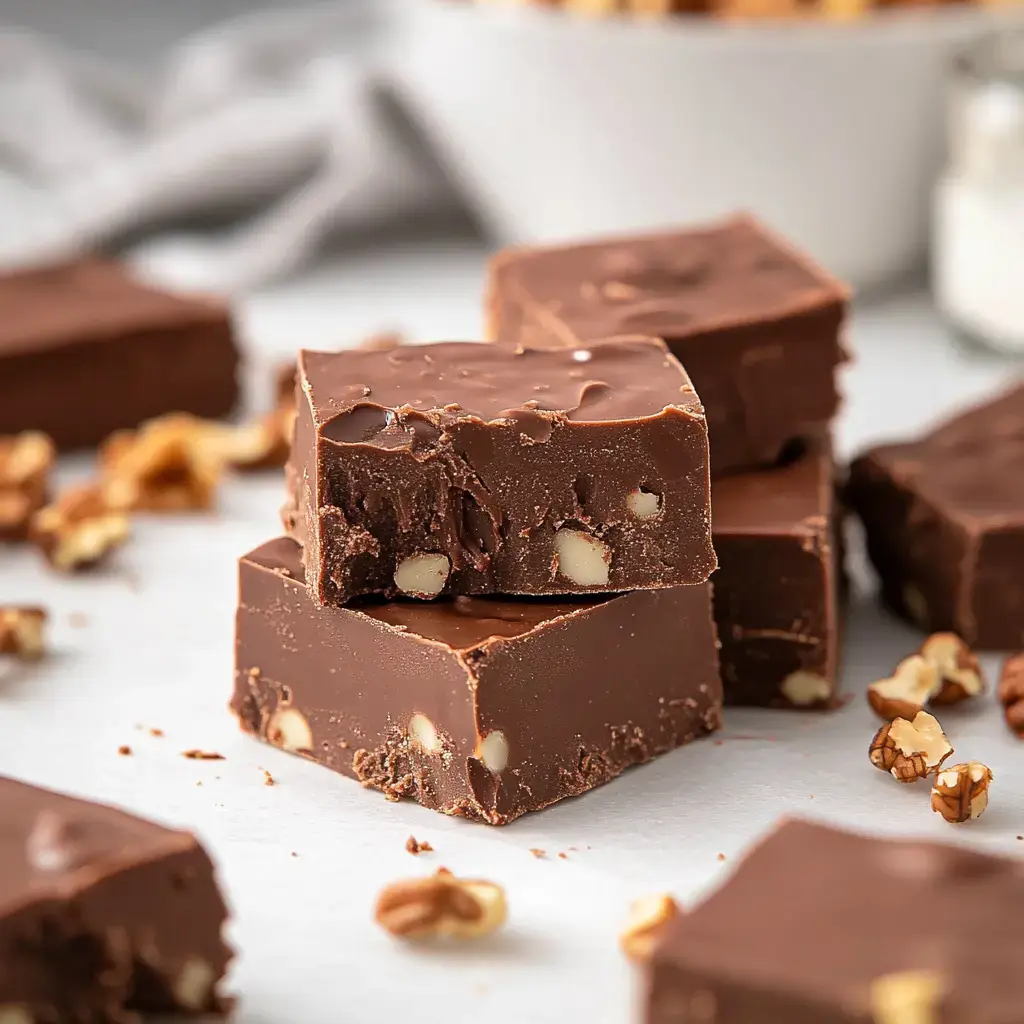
906	692
960	793
959	671
910	750
441	906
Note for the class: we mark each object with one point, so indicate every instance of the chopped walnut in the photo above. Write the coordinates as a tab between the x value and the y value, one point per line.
910	750
1011	693
441	906
22	632
960	793
648	918
264	443
906	692
416	847
170	464
25	463
959	671
80	529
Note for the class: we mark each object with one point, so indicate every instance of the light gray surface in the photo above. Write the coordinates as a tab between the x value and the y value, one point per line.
156	650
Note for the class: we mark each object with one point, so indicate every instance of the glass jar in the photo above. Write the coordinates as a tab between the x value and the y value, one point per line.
978	222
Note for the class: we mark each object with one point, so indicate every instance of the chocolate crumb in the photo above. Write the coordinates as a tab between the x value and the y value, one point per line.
294	854
202	755
537	852
156	732
721	856
268	779
415	847
124	750
1020	837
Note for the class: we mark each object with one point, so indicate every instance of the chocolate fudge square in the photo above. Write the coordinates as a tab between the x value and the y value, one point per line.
944	522
756	325
777	587
480	707
104	917
460	468
85	349
819	926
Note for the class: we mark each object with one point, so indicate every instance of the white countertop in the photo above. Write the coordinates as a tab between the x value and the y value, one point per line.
156	650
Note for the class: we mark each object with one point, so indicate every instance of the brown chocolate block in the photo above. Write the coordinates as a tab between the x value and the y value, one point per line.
819	926
473	469
756	325
472	706
777	585
103	916
944	521
85	350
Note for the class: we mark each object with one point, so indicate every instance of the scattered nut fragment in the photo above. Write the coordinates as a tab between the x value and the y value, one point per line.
25	463
960	793
804	689
910	750
80	529
202	755
583	559
907	691
959	671
441	906
124	750
493	751
415	847
643	504
22	631
648	918
288	729
264	443
1011	693
423	575
906	997
170	464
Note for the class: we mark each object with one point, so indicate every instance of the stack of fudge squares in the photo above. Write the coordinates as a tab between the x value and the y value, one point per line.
499	585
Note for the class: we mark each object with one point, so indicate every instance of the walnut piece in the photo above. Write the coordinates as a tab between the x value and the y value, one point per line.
907	691
22	631
906	997
910	750
80	529
643	504
170	464
263	443
959	671
1011	693
423	575
582	559
25	463
493	751
805	689
441	906
960	793
648	918
424	734
288	729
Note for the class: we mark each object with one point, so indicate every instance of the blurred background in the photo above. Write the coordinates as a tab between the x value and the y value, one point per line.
228	144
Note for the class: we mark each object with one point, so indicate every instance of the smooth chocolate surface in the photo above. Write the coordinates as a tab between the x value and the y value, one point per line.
516	473
756	325
819	926
777	585
85	350
479	707
944	521
103	916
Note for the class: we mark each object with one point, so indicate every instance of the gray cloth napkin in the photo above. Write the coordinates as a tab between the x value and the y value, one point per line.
282	119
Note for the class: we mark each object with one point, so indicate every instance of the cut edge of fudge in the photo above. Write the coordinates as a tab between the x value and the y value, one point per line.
465	468
436	713
772	529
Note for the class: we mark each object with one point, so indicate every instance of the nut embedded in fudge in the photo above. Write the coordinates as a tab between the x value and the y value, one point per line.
777	587
944	522
820	926
481	707
85	349
472	469
756	325
103	915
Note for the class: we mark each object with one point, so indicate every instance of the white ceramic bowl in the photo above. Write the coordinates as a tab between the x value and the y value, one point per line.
558	126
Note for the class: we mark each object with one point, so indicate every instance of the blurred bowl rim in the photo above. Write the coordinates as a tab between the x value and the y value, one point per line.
895	23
